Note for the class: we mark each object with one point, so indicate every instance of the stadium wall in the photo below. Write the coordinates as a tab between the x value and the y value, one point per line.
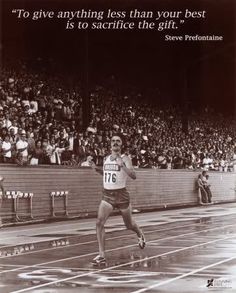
153	189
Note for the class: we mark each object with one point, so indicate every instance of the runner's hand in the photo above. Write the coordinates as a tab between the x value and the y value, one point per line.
120	162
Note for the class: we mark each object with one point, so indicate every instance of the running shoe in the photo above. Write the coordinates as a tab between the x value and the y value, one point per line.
99	260
141	242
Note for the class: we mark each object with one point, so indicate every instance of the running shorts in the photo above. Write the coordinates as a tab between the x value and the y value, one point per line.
118	198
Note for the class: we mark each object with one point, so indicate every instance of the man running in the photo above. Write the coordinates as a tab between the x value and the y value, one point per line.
116	169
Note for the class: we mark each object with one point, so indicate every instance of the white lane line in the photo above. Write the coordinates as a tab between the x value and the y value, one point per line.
142	218
152	243
79	229
115	249
133	262
56	238
125	272
139	217
157	245
182	276
89	242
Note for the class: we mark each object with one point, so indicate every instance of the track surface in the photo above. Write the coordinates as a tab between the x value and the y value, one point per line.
187	249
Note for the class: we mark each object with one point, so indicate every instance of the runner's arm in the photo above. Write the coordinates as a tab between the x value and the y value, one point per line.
127	166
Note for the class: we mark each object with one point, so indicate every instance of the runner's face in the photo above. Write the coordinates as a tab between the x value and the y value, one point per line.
116	143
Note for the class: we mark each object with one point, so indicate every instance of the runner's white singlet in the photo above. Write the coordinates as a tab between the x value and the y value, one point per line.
114	177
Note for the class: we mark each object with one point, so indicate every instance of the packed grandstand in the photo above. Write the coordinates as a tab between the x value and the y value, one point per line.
40	124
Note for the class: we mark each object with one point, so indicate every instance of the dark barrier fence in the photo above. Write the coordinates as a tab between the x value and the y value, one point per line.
78	190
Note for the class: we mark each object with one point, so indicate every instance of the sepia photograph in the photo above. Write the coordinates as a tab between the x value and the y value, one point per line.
117	146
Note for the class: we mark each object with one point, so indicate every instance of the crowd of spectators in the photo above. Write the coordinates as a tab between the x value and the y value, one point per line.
40	124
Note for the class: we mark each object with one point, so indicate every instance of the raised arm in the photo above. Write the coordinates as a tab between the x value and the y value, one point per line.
127	166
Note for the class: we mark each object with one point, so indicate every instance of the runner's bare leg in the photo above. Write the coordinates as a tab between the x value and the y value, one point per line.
104	210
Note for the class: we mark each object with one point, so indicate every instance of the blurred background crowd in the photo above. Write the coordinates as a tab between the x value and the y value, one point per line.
40	123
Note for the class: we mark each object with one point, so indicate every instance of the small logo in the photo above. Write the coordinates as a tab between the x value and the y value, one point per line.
219	283
210	283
